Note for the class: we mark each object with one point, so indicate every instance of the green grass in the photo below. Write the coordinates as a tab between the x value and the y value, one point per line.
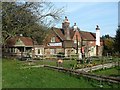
66	63
15	77
115	71
72	63
0	73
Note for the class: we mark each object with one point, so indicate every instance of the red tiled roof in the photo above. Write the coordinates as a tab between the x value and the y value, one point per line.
94	34
26	40
59	33
87	35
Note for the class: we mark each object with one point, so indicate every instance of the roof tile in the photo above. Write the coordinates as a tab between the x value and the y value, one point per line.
26	40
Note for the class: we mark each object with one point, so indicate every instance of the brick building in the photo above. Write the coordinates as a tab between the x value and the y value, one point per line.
68	40
71	40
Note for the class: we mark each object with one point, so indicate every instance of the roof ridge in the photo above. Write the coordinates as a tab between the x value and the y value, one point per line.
93	34
86	31
58	34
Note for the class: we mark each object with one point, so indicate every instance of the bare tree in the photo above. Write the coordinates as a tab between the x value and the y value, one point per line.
29	18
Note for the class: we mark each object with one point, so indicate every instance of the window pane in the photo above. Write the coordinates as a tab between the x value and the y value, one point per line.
52	51
38	51
53	39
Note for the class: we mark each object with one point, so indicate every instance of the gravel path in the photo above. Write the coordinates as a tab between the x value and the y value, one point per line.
93	68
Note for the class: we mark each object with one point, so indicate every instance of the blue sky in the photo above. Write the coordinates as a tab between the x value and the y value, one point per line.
119	13
89	14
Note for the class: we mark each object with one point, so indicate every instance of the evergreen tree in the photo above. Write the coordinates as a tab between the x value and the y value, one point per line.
117	40
108	44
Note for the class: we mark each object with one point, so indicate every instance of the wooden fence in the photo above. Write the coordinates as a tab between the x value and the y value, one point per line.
85	74
55	57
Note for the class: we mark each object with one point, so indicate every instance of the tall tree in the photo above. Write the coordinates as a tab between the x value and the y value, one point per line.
117	40
108	44
30	18
0	23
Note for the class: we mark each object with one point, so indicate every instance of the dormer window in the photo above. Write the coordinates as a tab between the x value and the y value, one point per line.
52	39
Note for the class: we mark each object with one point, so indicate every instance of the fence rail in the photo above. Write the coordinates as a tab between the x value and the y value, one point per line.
56	56
85	74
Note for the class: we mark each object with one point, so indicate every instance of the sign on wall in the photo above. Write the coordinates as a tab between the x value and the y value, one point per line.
55	44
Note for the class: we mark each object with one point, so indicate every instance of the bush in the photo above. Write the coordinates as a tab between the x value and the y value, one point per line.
61	55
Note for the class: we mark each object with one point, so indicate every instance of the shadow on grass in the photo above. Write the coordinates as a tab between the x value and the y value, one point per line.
118	76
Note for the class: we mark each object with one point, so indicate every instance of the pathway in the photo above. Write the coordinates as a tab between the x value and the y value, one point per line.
97	67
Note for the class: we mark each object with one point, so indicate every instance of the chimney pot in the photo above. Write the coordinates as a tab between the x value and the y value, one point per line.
75	27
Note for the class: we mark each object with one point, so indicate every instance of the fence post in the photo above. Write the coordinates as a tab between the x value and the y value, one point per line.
70	56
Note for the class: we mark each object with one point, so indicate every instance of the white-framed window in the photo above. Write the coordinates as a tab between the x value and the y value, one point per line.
92	49
52	51
52	39
39	51
84	42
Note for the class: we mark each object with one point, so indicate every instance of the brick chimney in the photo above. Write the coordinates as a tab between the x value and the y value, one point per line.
75	27
65	27
97	40
97	35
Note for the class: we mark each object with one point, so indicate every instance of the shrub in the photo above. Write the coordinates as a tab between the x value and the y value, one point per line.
61	55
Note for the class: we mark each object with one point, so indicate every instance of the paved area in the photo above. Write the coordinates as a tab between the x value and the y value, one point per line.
93	68
36	66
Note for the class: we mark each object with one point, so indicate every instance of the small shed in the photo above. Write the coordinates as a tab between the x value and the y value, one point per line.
19	46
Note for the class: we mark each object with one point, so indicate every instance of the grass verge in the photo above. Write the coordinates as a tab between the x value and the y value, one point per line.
14	77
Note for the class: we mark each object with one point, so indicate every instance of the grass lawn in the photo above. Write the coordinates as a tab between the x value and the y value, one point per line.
66	63
0	73
72	63
109	72
15	77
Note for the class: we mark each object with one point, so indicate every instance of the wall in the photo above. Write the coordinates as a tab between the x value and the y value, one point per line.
55	51
39	51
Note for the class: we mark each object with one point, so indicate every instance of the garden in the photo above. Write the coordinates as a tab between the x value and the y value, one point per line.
14	76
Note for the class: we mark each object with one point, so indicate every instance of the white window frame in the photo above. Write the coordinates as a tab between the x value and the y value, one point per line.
38	51
53	39
52	51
